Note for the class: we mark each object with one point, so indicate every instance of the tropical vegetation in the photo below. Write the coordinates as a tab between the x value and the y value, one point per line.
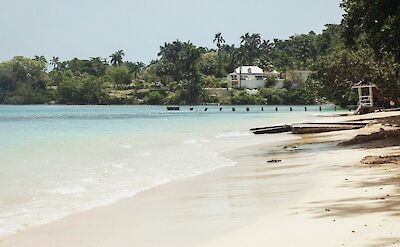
363	47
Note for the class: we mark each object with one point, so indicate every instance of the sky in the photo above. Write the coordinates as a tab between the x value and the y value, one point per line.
91	28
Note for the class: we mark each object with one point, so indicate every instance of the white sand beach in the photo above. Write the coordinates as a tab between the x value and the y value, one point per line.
318	195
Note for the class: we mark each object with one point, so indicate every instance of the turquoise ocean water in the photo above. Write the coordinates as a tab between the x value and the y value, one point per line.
57	160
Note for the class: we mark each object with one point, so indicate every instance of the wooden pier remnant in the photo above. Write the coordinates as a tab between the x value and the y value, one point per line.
233	109
247	109
173	108
305	108
191	108
272	129
220	109
276	108
309	128
206	109
291	109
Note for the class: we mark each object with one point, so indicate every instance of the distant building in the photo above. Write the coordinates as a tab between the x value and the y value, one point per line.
251	77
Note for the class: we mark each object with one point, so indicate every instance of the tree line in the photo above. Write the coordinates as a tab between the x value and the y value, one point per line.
363	46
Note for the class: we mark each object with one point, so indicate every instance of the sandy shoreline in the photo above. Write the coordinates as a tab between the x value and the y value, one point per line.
317	196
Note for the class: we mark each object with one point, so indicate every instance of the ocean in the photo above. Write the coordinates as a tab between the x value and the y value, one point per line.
58	160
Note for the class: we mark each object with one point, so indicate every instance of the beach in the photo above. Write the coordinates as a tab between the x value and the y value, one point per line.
318	195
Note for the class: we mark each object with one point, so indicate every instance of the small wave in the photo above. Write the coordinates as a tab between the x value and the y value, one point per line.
144	154
232	134
196	141
118	165
74	189
126	146
89	180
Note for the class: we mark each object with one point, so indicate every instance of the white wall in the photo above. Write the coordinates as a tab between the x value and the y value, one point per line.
252	84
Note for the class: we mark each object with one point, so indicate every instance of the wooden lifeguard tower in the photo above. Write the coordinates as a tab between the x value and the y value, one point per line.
365	97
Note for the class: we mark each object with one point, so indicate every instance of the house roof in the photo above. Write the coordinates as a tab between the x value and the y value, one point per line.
249	70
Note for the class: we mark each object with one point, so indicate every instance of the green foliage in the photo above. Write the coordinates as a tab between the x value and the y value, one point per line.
274	95
194	89
119	75
244	98
96	66
331	40
178	60
175	97
116	58
85	89
149	74
298	52
135	68
154	98
337	72
23	80
280	96
209	63
253	50
378	21
300	96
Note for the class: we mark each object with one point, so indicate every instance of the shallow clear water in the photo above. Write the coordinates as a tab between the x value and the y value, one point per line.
56	160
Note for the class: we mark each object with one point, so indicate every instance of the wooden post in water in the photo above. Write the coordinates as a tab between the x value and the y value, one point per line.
220	109
320	108
206	109
305	108
233	109
291	109
335	108
262	108
276	108
247	109
191	108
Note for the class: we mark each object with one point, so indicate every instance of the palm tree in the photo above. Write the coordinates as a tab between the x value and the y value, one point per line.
55	61
137	68
250	45
219	40
245	38
116	58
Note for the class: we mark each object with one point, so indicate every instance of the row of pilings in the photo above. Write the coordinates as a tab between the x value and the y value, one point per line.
247	108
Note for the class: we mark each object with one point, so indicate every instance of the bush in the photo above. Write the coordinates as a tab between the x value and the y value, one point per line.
274	95
154	98
244	98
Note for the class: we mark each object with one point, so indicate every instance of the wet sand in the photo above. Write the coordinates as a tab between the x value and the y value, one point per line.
318	195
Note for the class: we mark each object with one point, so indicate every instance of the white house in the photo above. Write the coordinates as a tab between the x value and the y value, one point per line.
251	77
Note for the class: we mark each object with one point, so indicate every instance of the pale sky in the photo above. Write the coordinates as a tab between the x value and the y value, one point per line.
90	28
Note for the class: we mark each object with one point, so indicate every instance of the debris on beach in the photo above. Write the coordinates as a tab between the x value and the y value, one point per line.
290	147
274	161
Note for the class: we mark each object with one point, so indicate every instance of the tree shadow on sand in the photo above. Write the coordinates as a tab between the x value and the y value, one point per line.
354	206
